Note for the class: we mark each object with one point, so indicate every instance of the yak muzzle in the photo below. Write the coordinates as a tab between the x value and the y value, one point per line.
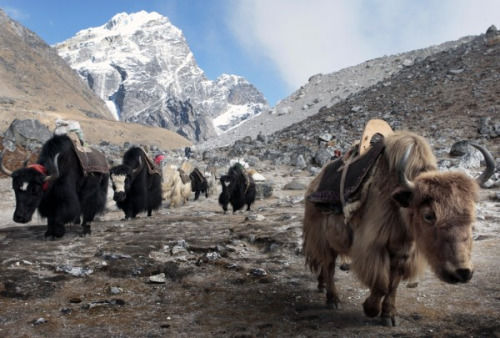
20	218
119	196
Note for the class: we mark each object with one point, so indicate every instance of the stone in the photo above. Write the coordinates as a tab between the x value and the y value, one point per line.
408	62
294	185
39	321
322	156
263	190
325	137
460	148
300	162
30	134
75	270
158	279
255	217
258	272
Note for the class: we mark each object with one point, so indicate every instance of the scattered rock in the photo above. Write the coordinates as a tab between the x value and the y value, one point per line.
259	272
75	270
39	321
295	185
159	279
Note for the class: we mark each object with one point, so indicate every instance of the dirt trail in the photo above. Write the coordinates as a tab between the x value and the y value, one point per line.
224	275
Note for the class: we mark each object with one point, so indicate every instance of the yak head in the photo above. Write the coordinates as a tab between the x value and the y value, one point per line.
440	208
29	183
122	177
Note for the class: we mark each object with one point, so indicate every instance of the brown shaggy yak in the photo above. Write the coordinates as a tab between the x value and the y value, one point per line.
410	214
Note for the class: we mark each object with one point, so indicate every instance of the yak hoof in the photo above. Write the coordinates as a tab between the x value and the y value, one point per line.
391	321
59	233
332	301
333	305
371	309
86	230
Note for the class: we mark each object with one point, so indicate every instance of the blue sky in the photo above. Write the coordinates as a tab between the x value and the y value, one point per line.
277	44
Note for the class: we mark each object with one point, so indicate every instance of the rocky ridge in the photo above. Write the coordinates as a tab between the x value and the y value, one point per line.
325	90
446	97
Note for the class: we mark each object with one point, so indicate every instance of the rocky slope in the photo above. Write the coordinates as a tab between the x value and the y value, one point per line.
141	65
448	96
325	90
34	78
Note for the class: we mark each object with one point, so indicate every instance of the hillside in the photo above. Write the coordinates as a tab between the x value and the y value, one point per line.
36	83
448	96
325	90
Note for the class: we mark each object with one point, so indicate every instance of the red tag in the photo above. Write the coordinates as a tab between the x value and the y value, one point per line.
42	170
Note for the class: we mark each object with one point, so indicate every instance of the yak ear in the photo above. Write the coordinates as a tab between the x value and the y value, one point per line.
402	197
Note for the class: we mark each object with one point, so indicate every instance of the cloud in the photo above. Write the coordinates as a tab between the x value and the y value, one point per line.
16	14
304	37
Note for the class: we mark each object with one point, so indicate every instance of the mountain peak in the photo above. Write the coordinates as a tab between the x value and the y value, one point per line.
135	20
141	65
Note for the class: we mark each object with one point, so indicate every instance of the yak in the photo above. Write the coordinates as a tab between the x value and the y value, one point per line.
59	187
136	184
199	183
175	190
238	188
410	213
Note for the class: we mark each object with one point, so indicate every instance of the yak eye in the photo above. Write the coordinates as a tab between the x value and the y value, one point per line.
429	217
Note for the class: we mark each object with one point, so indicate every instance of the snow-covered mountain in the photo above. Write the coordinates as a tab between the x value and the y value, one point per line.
140	64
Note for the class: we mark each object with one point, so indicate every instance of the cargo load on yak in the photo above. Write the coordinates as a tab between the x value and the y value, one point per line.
341	188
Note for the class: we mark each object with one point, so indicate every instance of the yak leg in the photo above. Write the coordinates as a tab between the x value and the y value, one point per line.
332	298
371	306
196	195
389	304
50	228
58	229
321	281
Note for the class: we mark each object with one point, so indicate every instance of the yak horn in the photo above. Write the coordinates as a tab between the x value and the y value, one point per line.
56	170
2	168
401	169
490	164
26	160
139	167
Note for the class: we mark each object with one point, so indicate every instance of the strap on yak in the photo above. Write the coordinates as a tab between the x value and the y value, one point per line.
42	170
153	168
184	177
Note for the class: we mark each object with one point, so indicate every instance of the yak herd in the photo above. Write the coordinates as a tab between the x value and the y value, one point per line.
69	185
404	213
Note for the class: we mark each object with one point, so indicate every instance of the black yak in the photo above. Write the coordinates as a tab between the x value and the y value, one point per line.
136	184
238	188
60	187
199	183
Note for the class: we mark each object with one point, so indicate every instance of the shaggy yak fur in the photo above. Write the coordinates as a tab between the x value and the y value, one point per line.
410	214
199	183
174	190
57	187
238	188
135	188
